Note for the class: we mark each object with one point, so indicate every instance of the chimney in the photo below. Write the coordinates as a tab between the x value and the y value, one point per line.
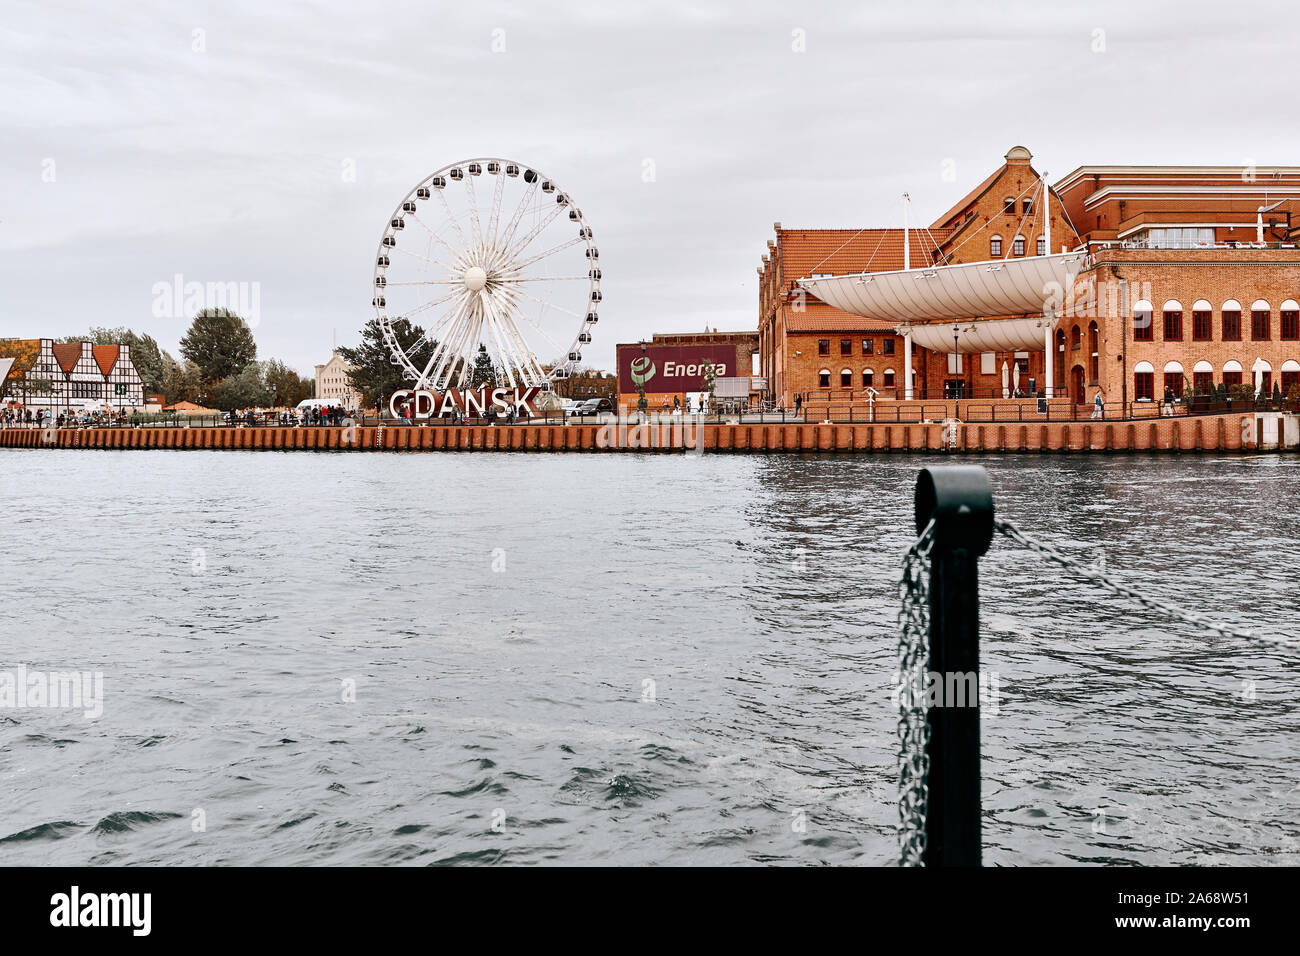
776	226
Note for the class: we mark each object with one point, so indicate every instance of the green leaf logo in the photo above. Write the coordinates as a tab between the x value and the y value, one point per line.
642	370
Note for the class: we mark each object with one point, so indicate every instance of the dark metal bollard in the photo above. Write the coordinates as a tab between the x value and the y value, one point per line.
959	499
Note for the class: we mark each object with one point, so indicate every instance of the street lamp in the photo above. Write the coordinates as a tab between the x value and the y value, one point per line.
956	361
641	403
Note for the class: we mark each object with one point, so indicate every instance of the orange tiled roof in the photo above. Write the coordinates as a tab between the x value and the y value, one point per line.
67	354
971	196
844	251
105	357
817	316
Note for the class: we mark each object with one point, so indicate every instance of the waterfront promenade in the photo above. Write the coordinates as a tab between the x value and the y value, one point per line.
1210	433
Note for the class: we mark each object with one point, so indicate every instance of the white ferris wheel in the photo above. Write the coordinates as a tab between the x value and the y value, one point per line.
487	252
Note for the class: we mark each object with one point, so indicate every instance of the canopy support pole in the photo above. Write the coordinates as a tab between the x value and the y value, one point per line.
1048	390
907	365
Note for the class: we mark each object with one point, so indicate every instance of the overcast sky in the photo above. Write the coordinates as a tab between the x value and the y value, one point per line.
140	141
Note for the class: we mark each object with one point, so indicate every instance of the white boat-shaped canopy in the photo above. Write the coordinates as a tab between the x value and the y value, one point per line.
985	335
970	290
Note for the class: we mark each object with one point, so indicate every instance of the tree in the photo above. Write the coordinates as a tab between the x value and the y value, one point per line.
286	386
484	372
149	359
373	374
181	382
24	352
220	343
245	389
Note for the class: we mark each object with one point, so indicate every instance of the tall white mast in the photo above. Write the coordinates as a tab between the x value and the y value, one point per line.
1047	215
907	244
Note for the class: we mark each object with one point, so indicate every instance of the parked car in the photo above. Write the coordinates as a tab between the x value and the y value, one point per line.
594	406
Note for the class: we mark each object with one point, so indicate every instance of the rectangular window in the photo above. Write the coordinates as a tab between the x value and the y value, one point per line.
1203	382
995	246
954	363
1290	383
887	347
1231	378
867	346
1174	383
1290	325
1142	327
1173	326
1231	326
1042	245
1144	384
1259	323
988	363
1202	327
823	346
846	346
1018	247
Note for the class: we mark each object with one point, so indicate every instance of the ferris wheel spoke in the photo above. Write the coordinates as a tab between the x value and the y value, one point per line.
416	255
415	218
533	233
548	253
529	319
513	226
473	209
439	354
498	189
455	224
548	305
542	332
432	303
546	279
458	282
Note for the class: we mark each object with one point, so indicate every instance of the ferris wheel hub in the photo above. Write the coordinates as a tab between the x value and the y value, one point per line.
475	278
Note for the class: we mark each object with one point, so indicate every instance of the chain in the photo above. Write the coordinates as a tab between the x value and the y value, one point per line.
1095	576
913	726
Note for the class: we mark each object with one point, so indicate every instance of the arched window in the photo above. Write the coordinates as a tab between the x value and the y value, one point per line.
889	377
867	378
1142	322
1290	378
1202	321
1203	378
1173	315
995	247
1144	382
1094	353
1018	246
824	378
1290	320
1076	338
1174	379
1260	319
846	378
1231	373
1231	320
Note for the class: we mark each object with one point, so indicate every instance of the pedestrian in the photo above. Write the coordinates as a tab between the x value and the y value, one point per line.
1167	406
1098	405
798	405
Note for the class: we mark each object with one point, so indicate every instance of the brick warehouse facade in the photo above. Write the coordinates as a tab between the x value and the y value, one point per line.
1159	240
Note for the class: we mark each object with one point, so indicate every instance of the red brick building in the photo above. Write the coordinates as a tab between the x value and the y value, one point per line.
1149	277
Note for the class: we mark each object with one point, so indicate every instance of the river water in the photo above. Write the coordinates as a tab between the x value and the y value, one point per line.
625	659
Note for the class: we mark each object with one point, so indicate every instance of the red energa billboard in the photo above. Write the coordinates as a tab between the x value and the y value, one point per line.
673	368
